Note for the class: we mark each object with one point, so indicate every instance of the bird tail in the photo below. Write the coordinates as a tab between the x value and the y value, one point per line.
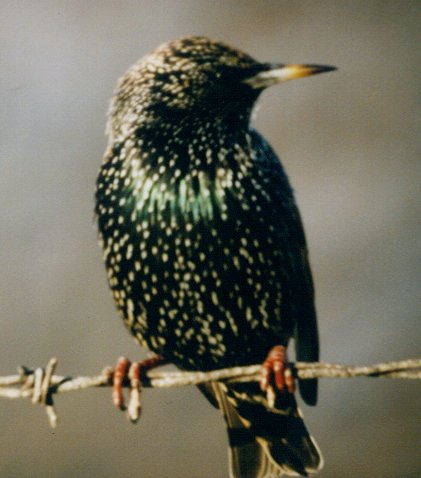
265	442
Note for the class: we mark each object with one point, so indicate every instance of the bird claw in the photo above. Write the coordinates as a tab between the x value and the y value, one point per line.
135	407
119	376
276	375
126	372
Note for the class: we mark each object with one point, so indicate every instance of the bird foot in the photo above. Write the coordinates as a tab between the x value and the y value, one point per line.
276	378
128	373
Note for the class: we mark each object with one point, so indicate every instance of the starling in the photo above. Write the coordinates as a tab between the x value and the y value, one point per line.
203	242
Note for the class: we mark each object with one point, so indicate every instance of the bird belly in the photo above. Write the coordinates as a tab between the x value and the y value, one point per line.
203	295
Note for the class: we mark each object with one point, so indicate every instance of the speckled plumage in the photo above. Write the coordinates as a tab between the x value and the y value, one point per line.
203	242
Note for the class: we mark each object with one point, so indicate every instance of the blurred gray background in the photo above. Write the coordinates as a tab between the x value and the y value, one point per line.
350	143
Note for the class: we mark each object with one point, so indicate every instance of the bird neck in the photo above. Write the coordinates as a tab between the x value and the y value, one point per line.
188	170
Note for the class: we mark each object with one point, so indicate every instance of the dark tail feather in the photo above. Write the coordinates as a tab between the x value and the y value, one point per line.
247	458
265	443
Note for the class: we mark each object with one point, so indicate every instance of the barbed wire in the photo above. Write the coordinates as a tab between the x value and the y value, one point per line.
40	384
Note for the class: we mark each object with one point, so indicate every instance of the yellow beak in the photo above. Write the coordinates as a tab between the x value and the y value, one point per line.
281	73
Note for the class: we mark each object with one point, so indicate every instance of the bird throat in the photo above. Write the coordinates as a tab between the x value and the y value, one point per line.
184	174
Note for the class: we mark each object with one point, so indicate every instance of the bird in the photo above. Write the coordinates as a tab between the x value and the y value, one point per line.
203	243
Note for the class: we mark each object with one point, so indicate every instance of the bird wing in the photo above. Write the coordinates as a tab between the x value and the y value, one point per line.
306	333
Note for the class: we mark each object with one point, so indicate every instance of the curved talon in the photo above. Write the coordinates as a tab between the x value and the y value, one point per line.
120	373
265	376
289	379
135	408
127	372
276	374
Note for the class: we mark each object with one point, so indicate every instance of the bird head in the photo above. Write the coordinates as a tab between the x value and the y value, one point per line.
195	76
